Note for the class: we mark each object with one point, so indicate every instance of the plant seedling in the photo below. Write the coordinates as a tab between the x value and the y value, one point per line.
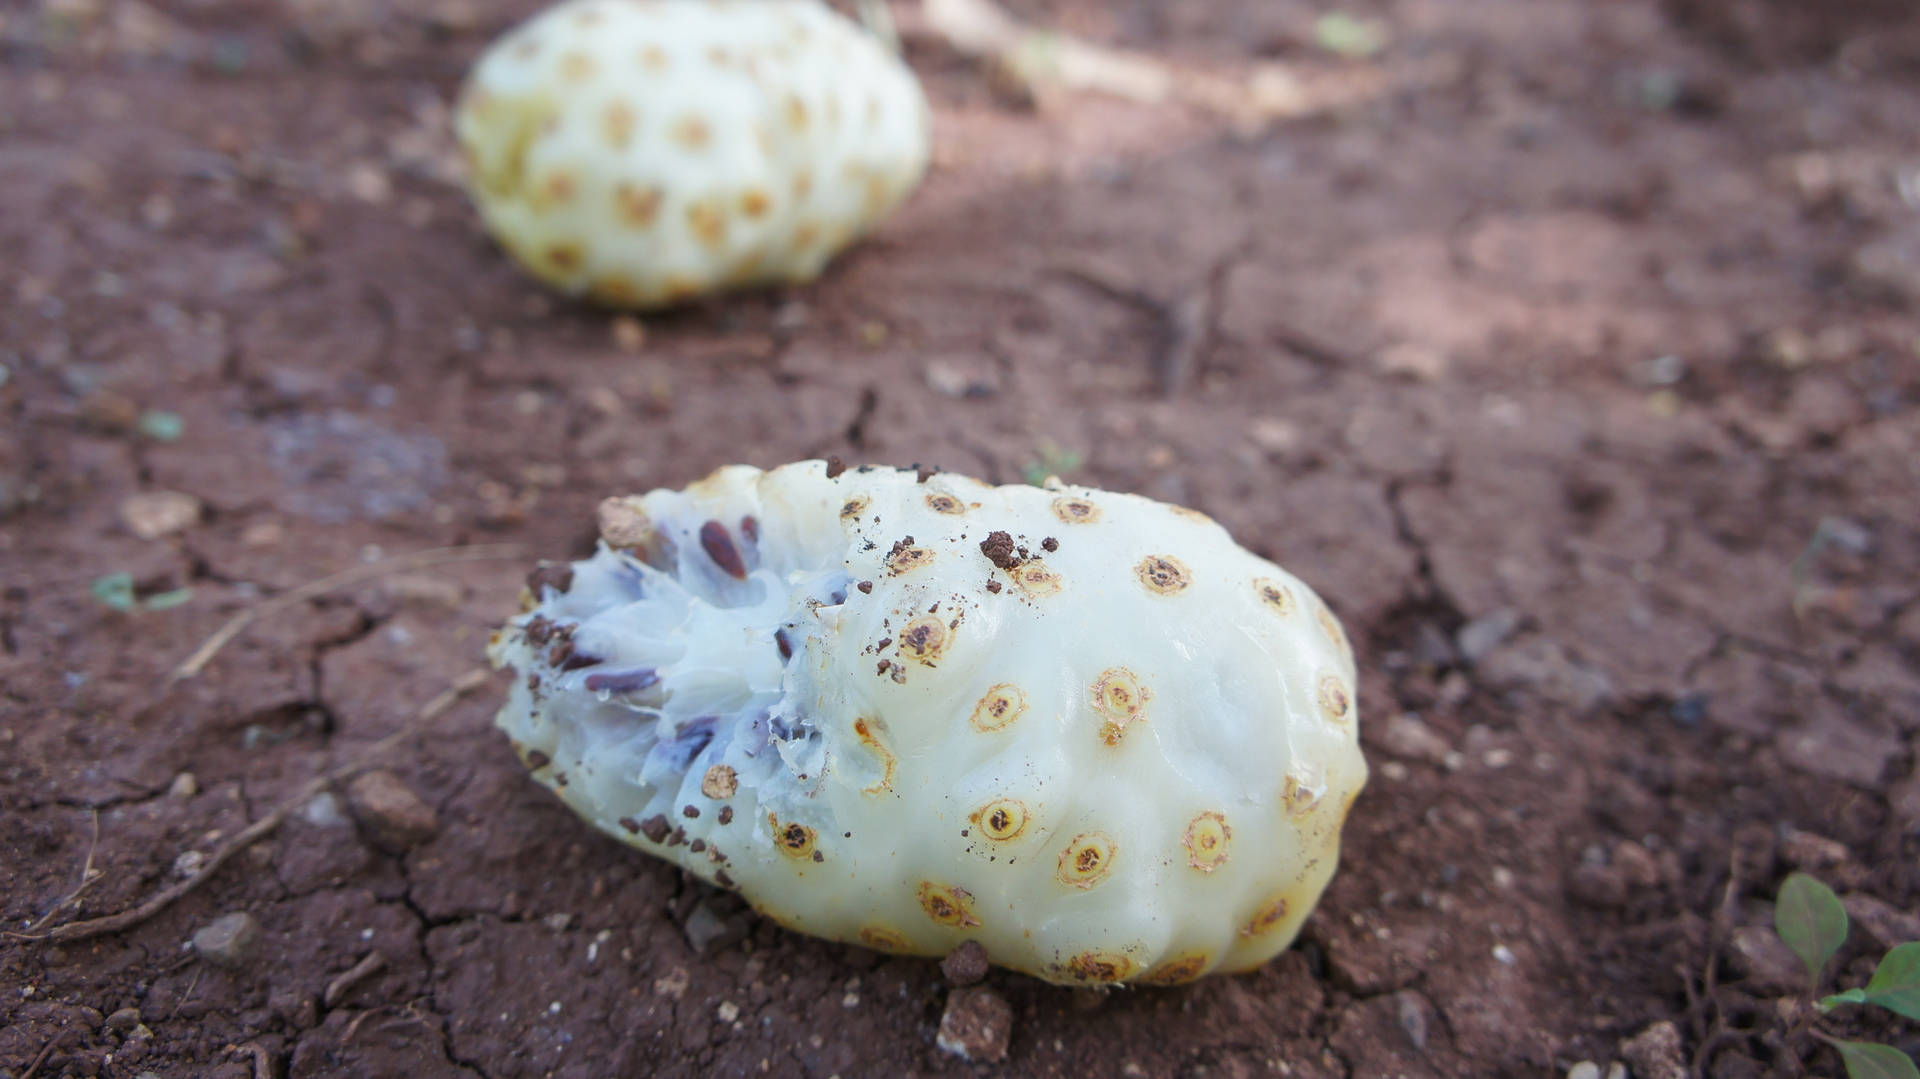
1810	919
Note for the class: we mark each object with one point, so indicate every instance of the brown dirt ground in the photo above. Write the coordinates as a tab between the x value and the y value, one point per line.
1580	372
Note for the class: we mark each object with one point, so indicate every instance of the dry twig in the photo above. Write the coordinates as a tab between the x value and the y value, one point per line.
127	919
436	556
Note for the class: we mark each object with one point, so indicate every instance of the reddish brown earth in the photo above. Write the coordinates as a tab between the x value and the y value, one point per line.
1579	371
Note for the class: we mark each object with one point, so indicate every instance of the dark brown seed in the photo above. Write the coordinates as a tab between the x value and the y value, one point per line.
835	466
726	814
925	472
866	587
818	857
1049	545
537	760
555	575
750	528
656	827
994	587
631	825
781	642
697	846
719	547
690	812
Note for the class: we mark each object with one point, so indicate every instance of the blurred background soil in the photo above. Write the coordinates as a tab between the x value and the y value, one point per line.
1569	348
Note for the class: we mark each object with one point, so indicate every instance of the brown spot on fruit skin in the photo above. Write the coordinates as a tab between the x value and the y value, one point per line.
1086	860
946	504
720	782
636	205
654	58
708	222
1002	819
1331	627
1076	511
1277	597
563	257
755	203
793	839
1120	698
1104	968
719	546
1001	705
1270	914
576	67
882	939
1176	971
692	133
925	639
1036	579
1206	840
1299	797
948	904
618	123
1335	702
868	732
905	559
615	290
854	507
1164	574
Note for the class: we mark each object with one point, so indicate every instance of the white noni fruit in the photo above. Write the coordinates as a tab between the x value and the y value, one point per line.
908	709
643	152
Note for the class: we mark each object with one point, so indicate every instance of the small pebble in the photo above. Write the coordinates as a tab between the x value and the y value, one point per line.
184	786
124	1020
153	514
396	818
229	940
976	1025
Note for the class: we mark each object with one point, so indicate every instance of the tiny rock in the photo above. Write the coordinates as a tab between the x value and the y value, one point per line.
707	929
1767	965
395	818
1485	633
1886	924
124	1020
1811	851
153	514
976	1025
229	940
965	965
1407	736
1654	1053
184	786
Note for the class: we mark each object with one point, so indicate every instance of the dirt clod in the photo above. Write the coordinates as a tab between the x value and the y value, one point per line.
976	1025
965	965
1656	1053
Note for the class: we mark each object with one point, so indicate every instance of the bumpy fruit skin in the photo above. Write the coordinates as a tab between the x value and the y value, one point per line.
906	710
643	152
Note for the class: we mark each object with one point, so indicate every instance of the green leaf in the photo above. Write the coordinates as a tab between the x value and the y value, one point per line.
162	426
1851	996
1348	37
165	600
1809	917
1896	984
115	590
1871	1060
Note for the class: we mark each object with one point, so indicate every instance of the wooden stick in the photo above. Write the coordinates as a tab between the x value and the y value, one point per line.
127	919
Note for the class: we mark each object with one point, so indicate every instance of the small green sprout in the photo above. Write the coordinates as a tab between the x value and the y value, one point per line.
162	426
1054	461
115	590
1810	919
